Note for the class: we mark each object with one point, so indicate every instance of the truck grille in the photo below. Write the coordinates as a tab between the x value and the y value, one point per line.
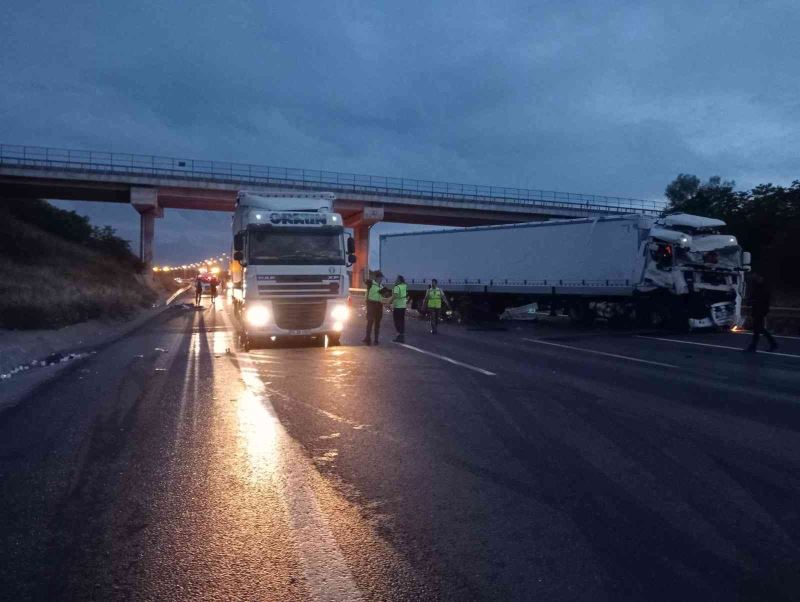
712	278
298	286
299	316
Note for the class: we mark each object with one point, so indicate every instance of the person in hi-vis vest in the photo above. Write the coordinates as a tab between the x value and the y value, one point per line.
374	297
399	302
433	302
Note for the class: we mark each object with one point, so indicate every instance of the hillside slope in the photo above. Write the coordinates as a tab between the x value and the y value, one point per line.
48	280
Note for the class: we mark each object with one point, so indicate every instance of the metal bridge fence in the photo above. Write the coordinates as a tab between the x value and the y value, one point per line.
111	163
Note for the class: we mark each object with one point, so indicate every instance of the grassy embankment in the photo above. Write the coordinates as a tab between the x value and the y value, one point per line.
56	269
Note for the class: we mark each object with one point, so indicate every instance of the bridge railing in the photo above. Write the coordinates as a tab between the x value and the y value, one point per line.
262	175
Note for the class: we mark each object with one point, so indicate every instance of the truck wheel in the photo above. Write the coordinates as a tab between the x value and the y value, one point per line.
334	340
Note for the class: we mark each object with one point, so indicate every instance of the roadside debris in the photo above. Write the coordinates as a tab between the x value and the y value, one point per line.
524	312
185	306
50	360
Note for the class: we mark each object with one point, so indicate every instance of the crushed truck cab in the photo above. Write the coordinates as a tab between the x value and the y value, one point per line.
291	267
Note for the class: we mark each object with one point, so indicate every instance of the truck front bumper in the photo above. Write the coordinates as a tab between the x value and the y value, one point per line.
722	315
294	318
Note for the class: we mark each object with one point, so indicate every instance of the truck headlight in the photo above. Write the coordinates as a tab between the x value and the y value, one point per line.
340	313
257	315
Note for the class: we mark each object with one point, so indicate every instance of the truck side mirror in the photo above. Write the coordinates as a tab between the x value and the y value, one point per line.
351	259
238	256
351	247
746	258
238	243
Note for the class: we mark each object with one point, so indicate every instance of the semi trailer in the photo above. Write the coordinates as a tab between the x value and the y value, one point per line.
679	270
291	267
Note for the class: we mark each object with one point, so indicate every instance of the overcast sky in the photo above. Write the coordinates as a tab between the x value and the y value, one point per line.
600	97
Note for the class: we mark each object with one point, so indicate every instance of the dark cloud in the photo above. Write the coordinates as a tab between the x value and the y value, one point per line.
605	97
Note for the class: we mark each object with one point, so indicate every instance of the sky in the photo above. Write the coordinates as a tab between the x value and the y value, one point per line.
598	97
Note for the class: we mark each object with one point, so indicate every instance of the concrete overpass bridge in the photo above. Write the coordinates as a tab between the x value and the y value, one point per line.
151	184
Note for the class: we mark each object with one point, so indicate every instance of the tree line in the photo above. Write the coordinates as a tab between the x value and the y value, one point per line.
69	226
765	220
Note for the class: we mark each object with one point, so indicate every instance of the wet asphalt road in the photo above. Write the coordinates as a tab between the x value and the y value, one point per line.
539	462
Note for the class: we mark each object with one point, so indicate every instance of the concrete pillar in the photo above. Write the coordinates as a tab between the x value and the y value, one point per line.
145	201
147	228
361	224
361	237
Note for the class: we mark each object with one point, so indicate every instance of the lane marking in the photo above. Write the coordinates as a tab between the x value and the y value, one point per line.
177	293
448	359
621	357
276	456
639	336
777	336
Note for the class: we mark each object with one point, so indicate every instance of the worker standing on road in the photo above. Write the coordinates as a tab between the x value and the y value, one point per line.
760	298
399	303
198	291
374	297
213	292
433	302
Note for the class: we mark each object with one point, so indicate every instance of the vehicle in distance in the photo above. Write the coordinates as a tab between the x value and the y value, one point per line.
290	264
680	270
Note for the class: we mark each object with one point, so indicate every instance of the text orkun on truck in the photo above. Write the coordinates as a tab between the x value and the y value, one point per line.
680	270
290	272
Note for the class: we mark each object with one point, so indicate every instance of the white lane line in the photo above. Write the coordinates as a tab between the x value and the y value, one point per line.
275	455
777	336
448	359
177	293
614	355
717	346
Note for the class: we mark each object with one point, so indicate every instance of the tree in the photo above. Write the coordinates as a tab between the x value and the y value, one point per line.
766	220
681	189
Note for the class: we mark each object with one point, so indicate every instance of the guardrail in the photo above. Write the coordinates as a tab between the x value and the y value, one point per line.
244	174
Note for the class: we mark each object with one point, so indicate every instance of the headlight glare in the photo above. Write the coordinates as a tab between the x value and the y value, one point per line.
257	315
340	313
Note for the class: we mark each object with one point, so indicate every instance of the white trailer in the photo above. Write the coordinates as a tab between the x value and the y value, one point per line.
678	269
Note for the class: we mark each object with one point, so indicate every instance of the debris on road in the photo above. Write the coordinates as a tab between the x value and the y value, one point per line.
50	360
524	312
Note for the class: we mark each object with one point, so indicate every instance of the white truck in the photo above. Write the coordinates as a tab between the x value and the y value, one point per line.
290	271
679	270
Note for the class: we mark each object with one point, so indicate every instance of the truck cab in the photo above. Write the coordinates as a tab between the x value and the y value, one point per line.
290	272
698	263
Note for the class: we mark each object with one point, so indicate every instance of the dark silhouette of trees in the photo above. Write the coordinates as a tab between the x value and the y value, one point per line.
765	220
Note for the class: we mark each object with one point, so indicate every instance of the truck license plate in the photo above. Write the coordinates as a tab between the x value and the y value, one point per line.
298	332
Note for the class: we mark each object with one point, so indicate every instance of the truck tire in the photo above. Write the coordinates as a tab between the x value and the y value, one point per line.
334	339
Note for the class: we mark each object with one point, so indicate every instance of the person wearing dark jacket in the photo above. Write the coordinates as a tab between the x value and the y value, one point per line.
760	298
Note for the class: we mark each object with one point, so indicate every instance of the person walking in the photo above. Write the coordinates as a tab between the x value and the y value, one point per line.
374	297
433	302
760	299
198	291
399	303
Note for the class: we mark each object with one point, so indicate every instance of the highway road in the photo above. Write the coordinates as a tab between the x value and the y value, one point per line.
538	462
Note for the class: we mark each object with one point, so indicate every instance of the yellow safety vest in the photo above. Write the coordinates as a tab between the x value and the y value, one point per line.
435	298
400	296
374	292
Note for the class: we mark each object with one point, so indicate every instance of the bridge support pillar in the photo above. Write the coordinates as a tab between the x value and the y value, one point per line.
361	224
361	236
145	201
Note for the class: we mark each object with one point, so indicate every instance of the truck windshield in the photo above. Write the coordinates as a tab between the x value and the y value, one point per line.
295	246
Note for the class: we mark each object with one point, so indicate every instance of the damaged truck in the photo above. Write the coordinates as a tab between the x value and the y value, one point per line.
679	271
